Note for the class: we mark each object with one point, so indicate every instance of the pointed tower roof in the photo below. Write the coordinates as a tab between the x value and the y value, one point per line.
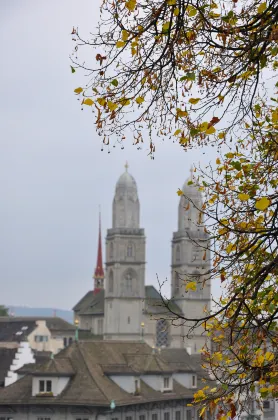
99	272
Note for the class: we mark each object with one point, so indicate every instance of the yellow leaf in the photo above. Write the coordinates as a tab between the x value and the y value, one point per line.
229	155
231	247
199	394
112	106
181	113
274	116
204	126
218	161
125	35
262	390
88	102
177	132
210	130
191	286
262	204
165	26
191	11
221	135
101	101
262	7
194	100
130	5
183	140
120	44
78	90
171	2
269	356
179	192
243	197
176	11
139	100
124	101
213	390
202	411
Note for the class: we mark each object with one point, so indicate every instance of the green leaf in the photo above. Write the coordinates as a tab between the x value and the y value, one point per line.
115	82
72	69
190	183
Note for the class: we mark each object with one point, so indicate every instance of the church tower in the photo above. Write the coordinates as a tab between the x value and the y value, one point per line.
125	264
191	261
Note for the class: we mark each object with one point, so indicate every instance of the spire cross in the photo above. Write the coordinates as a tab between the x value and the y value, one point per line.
126	166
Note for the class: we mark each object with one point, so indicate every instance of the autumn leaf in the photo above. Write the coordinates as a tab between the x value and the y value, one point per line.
125	35
130	5
262	7
243	197
194	100
218	161
78	90
112	106
262	204
88	102
120	44
139	100
101	101
191	286
210	130
171	2
179	192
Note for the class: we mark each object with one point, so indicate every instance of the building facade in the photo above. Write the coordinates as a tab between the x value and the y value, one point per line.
122	306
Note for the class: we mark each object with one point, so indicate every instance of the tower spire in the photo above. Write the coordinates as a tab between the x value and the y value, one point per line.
99	272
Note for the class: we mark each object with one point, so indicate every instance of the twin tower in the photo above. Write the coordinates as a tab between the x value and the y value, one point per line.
133	310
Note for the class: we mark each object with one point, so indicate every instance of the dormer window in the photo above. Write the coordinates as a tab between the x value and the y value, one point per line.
166	383
137	386
194	382
45	386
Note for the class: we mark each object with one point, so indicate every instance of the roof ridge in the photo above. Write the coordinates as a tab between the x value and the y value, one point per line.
89	371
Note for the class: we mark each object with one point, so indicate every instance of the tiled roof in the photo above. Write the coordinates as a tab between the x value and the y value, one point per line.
18	328
178	359
6	359
55	367
90	385
93	304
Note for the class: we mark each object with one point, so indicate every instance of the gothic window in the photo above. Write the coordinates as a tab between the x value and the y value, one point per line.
129	250
178	253
196	254
177	284
128	282
197	278
111	282
128	319
111	250
162	336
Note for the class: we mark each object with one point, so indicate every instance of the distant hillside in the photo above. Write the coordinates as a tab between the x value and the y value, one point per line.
26	311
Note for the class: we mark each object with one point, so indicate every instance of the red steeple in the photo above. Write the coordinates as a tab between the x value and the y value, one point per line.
99	272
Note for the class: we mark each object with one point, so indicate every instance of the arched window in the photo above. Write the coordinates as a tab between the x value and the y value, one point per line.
128	319
111	282
162	335
111	250
129	251
128	282
178	253
197	278
177	284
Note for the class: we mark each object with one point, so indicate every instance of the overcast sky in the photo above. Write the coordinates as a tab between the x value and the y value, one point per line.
53	175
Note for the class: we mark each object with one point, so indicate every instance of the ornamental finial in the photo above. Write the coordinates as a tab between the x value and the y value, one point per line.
126	166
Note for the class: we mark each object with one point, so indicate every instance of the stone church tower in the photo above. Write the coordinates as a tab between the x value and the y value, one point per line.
125	265
190	260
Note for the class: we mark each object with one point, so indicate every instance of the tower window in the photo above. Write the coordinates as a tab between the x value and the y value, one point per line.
130	250
111	250
111	282
177	284
128	319
128	282
178	254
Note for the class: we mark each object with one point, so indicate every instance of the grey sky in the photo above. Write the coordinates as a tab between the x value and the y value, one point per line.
53	174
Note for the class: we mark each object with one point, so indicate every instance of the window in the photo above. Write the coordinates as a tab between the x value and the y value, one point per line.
167	416
142	417
161	333
65	341
188	415
6	418
70	340
111	282
100	326
266	405
44	418
45	386
128	418
128	282
128	319
41	338
177	415
178	254
129	251
111	250
137	386
194	381
79	418
114	418
166	383
154	416
177	284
